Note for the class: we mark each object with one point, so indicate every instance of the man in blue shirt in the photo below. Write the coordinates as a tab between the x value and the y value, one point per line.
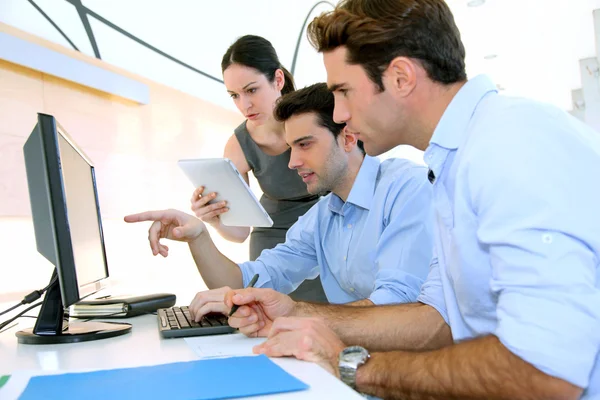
370	239
511	306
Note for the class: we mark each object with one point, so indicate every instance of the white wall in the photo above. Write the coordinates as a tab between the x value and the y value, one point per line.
134	149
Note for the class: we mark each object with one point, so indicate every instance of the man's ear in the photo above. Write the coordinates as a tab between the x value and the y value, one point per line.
400	77
347	140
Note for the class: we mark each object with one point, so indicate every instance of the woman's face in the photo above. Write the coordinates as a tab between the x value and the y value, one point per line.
252	93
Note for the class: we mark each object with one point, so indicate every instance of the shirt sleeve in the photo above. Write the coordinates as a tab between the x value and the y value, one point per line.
288	264
432	291
539	220
404	250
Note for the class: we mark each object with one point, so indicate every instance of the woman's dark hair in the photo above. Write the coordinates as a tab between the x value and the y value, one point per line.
258	53
316	99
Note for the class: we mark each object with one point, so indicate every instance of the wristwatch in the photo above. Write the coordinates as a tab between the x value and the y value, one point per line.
349	360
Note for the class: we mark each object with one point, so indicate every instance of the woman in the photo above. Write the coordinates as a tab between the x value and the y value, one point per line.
255	79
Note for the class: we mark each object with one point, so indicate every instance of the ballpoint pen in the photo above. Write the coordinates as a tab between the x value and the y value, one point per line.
251	284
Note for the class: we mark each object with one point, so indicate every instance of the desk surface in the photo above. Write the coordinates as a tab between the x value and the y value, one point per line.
143	346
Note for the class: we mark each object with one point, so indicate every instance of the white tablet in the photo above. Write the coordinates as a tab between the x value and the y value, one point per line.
221	176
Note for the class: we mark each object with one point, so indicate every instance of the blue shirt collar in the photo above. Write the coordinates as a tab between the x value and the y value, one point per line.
452	128
362	191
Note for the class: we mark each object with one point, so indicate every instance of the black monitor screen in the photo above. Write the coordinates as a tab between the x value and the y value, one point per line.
65	210
68	232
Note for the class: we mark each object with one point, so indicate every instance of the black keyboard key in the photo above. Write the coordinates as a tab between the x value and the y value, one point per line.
187	314
218	320
181	319
177	322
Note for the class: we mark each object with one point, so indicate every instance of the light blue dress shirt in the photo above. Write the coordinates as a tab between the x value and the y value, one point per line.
377	245
517	203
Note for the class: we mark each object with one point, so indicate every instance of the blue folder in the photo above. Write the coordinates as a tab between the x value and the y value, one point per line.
203	379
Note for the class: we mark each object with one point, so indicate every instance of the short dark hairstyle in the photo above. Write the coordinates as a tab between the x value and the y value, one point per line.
316	99
258	53
377	31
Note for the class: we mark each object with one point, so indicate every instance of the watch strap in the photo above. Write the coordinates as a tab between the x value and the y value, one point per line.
348	376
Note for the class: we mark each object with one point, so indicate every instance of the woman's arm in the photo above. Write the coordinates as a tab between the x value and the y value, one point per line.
209	213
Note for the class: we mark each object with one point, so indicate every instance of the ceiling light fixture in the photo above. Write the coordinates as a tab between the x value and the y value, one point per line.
475	3
490	56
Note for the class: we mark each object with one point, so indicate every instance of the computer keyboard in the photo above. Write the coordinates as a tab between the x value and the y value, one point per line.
176	322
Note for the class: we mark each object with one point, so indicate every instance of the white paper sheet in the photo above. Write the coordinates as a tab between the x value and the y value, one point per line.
230	345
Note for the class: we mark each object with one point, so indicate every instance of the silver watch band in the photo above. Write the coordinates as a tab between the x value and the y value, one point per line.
348	376
349	360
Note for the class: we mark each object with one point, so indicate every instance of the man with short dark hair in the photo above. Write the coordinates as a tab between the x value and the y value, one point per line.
369	239
511	307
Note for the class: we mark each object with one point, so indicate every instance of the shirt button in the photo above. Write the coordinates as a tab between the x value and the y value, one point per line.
547	238
344	258
349	226
352	289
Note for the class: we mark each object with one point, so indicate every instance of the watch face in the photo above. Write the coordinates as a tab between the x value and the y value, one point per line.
354	355
354	358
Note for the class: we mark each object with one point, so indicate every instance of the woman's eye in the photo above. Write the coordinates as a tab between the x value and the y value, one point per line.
252	90
233	96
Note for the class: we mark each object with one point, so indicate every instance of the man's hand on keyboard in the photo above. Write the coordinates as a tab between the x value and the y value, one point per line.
258	309
209	301
169	224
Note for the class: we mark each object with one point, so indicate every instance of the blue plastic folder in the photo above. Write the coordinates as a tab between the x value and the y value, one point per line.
203	379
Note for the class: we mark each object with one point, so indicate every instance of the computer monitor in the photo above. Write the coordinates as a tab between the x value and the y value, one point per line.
68	233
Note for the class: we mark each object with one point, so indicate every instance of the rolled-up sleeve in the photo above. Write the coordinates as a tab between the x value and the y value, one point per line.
288	264
404	250
539	220
432	291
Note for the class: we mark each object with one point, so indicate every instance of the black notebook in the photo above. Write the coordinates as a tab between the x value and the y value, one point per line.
122	306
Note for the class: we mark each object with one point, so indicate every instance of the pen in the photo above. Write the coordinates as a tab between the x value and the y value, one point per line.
251	284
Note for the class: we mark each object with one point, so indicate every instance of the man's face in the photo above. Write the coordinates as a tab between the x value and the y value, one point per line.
372	114
316	154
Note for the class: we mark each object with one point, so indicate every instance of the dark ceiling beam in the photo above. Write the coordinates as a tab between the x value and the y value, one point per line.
64	35
293	69
147	45
82	11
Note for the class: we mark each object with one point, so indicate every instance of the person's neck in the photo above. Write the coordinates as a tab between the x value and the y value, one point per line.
437	99
270	128
344	187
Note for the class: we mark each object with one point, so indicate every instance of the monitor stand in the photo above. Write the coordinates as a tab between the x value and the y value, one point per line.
53	326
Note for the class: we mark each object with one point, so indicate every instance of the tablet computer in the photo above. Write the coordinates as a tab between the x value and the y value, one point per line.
221	176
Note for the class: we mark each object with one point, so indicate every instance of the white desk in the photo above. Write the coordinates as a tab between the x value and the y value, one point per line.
143	346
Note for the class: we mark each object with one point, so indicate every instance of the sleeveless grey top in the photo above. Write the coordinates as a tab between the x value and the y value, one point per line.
284	197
